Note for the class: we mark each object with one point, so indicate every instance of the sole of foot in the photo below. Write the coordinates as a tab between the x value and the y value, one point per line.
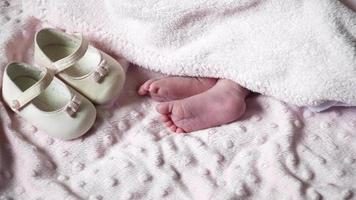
223	103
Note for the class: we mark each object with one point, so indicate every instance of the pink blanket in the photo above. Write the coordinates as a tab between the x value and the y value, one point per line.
276	151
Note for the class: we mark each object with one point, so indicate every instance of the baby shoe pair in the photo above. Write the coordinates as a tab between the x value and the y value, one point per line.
57	99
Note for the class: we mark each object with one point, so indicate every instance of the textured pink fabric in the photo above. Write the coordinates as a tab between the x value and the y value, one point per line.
276	151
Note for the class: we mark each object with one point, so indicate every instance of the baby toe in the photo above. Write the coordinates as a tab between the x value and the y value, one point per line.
144	89
168	124
173	128
141	91
180	130
154	88
164	108
164	118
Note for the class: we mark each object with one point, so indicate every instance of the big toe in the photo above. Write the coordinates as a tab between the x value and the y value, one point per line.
154	87
164	108
144	88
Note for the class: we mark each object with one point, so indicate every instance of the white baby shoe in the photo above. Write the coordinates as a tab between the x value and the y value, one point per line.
88	70
46	102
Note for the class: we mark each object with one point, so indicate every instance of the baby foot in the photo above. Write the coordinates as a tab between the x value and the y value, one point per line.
223	103
173	88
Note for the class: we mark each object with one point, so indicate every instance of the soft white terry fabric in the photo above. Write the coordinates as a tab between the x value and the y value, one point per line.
299	51
275	152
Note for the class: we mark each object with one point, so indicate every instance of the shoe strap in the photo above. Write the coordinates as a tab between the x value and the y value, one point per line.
28	95
70	60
